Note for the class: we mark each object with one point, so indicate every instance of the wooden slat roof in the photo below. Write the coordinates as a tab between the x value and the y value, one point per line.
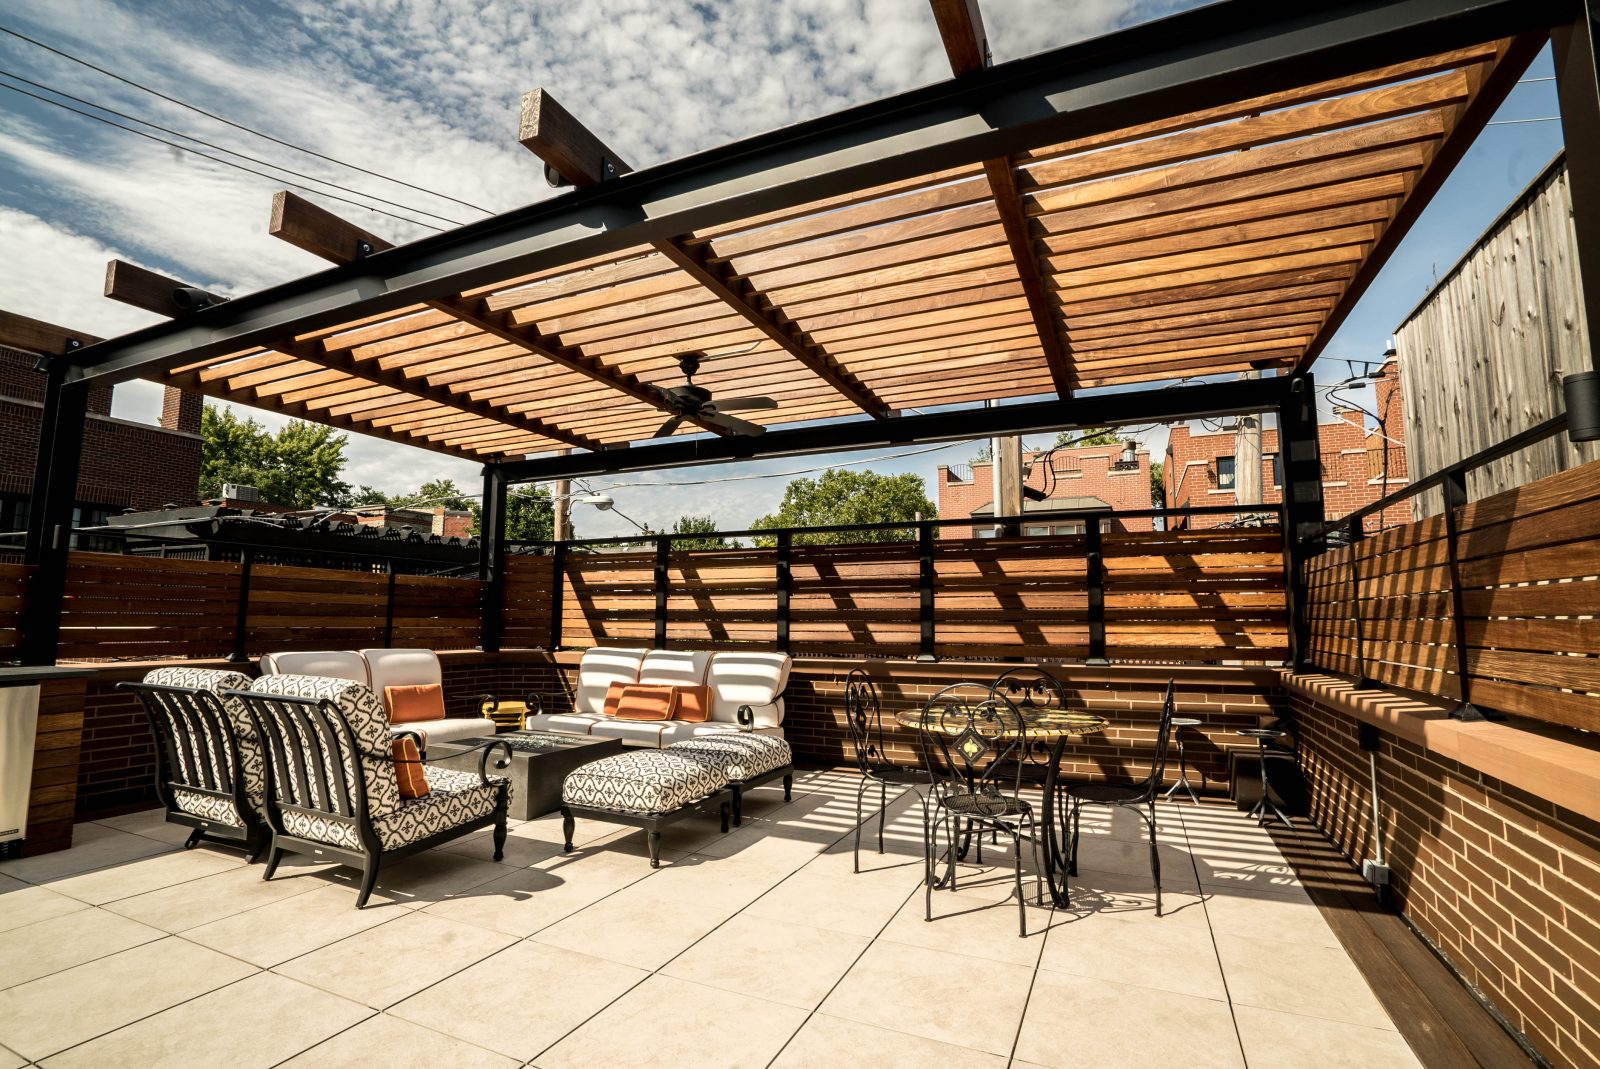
1211	242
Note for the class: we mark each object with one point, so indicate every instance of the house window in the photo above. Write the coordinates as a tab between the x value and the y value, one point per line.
1277	468
1224	473
1035	532
983	532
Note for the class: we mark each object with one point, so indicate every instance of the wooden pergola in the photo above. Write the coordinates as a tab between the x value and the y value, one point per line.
1196	197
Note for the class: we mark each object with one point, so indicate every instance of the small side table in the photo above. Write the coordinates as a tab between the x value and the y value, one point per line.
1261	808
1178	724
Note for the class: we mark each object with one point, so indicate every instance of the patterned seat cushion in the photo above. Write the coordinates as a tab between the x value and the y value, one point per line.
244	734
738	755
369	724
645	781
453	799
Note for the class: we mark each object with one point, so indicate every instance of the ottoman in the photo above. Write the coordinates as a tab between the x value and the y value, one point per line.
745	760
645	788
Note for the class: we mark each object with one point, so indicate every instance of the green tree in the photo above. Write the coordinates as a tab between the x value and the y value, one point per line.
842	496
438	492
1086	436
698	525
1157	495
299	466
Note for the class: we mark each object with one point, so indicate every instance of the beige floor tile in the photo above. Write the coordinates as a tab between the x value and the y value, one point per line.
1075	1021
151	823
834	898
66	1008
971	925
286	929
547	829
771	843
1129	858
934	994
1172	954
252	1024
383	965
395	1044
827	1042
211	898
432	876
48	946
795	964
1246	871
529	899
10	1059
521	1000
1292	918
144	874
648	923
519	851
1276	1040
1325	982
22	903
666	1021
1120	892
93	847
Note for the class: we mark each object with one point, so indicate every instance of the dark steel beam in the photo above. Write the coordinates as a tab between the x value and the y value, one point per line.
1303	527
1576	48
1211	56
60	449
492	556
1113	409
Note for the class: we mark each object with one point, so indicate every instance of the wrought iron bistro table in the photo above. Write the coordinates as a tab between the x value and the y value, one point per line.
1056	727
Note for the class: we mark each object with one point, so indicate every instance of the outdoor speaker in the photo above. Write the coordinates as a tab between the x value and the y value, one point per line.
1583	406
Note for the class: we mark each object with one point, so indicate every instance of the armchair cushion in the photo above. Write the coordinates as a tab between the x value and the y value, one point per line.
408	769
339	664
677	668
738	755
739	677
216	682
600	667
641	781
453	798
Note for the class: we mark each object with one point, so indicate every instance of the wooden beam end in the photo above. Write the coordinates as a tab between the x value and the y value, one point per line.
320	232
567	147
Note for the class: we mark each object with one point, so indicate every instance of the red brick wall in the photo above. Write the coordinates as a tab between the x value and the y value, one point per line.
1505	884
1085	472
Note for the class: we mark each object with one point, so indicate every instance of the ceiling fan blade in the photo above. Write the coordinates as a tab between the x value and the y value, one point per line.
742	404
669	426
732	423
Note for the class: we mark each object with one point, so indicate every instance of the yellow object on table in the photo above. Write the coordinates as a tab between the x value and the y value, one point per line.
507	716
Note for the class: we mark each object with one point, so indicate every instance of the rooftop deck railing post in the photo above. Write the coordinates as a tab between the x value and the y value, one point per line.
1455	496
1095	572
1303	515
784	582
663	547
925	578
49	538
388	609
1357	531
241	611
492	557
1575	48
558	592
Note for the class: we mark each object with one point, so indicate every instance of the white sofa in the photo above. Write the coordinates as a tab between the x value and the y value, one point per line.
739	680
376	669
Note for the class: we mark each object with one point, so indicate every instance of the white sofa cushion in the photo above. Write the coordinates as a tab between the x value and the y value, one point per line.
632	732
571	723
675	668
334	664
401	668
448	730
642	782
601	667
678	730
739	677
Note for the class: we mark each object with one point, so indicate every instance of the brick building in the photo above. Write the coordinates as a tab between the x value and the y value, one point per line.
435	520
125	464
1088	479
1199	468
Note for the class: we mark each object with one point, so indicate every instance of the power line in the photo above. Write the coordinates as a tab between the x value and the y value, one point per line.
239	126
224	148
216	159
1514	122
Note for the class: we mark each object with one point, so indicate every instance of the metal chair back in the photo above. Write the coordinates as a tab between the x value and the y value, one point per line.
1032	690
196	748
864	713
1151	786
972	740
313	765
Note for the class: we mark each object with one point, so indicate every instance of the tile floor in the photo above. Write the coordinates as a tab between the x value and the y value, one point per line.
758	948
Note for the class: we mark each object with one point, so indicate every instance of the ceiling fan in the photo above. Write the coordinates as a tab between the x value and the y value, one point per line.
694	402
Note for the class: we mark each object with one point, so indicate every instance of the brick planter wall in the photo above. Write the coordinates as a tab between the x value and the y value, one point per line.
1505	884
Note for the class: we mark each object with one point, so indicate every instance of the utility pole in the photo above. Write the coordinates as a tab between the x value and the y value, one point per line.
1007	481
1247	456
563	511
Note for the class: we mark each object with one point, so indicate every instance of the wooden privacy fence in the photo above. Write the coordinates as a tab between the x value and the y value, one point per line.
1205	595
1493	604
13	589
119	607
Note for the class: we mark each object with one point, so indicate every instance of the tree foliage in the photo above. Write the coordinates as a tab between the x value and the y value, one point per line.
703	526
299	466
841	496
1086	436
1157	495
530	515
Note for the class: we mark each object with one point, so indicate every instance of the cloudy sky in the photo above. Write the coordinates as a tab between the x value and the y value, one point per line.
426	92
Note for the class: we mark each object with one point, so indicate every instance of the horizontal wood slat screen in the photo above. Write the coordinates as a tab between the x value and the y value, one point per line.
1186	596
1529	568
149	607
13	591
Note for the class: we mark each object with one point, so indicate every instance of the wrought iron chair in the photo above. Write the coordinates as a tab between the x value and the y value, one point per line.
208	766
1139	796
864	714
331	789
973	741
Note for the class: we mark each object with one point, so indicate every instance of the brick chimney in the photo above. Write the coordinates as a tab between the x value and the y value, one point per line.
180	410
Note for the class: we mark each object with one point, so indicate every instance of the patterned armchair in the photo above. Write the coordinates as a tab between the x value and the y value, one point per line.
331	788
208	763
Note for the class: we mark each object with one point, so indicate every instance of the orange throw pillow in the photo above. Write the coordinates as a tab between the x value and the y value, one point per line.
640	701
613	695
408	768
407	705
694	704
